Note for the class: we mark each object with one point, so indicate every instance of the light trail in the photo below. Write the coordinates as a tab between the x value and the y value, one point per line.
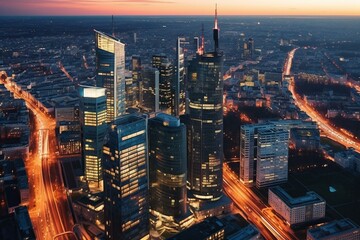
330	131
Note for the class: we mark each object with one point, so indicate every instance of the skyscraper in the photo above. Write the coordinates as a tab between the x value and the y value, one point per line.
126	207
149	89
166	93
167	165
94	128
110	72
179	85
205	123
264	148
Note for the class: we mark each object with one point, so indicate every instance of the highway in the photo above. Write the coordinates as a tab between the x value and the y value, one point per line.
325	126
48	208
257	212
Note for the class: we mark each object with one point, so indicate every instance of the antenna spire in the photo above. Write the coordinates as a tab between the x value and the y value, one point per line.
216	18
112	22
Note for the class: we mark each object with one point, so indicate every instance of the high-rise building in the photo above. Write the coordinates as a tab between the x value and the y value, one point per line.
166	92
149	89
179	85
94	128
205	123
264	148
126	208
110	72
167	165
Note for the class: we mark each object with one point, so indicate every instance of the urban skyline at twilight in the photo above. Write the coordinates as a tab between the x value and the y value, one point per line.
178	7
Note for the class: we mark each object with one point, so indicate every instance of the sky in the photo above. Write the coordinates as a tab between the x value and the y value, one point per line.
179	7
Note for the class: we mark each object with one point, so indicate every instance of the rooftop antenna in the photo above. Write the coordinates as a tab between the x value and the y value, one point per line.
216	31
112	22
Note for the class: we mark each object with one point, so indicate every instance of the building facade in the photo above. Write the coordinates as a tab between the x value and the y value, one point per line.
335	230
167	165
126	207
297	210
110	73
94	129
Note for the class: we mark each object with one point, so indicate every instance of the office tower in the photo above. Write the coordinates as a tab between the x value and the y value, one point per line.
149	89
167	165
196	44
251	47
94	128
110	73
126	207
179	85
263	147
135	63
166	93
205	143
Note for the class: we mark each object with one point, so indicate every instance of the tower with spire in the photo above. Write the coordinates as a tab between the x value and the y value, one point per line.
205	122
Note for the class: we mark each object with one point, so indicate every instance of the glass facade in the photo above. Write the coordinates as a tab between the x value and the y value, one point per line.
206	126
110	72
126	207
94	128
149	89
167	165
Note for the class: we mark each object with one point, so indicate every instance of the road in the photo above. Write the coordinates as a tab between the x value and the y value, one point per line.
325	126
49	209
257	212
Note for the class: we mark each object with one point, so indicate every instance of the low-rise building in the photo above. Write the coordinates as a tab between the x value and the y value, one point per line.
90	208
297	210
335	230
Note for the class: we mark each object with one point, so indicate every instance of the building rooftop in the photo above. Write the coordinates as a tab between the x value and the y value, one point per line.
333	228
308	198
201	230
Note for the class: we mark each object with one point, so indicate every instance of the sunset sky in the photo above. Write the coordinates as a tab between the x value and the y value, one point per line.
179	7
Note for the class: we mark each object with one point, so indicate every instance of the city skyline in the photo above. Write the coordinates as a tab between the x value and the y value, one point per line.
177	7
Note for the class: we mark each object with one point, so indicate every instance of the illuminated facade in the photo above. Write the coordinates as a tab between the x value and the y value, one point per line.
205	124
94	128
149	89
264	148
126	206
166	99
179	85
167	165
110	73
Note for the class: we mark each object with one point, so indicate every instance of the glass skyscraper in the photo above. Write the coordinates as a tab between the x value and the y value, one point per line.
126	208
205	123
167	165
94	128
110	72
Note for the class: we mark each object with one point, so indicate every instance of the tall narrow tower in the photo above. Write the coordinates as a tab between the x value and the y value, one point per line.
216	31
110	73
205	125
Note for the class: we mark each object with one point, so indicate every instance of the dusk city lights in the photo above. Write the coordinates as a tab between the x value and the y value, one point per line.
180	120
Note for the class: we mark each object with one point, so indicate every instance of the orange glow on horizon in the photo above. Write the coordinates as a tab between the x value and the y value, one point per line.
178	7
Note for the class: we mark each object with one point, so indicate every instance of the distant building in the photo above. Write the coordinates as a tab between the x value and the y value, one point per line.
166	74
90	208
126	206
348	159
305	138
265	148
94	128
297	210
167	165
110	73
149	90
179	85
335	230
211	228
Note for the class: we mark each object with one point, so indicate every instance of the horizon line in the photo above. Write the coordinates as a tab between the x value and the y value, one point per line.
182	15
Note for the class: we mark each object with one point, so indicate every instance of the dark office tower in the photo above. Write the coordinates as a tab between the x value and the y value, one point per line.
166	99
126	208
110	72
149	90
167	165
251	47
135	63
179	86
206	125
94	128
131	88
196	44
